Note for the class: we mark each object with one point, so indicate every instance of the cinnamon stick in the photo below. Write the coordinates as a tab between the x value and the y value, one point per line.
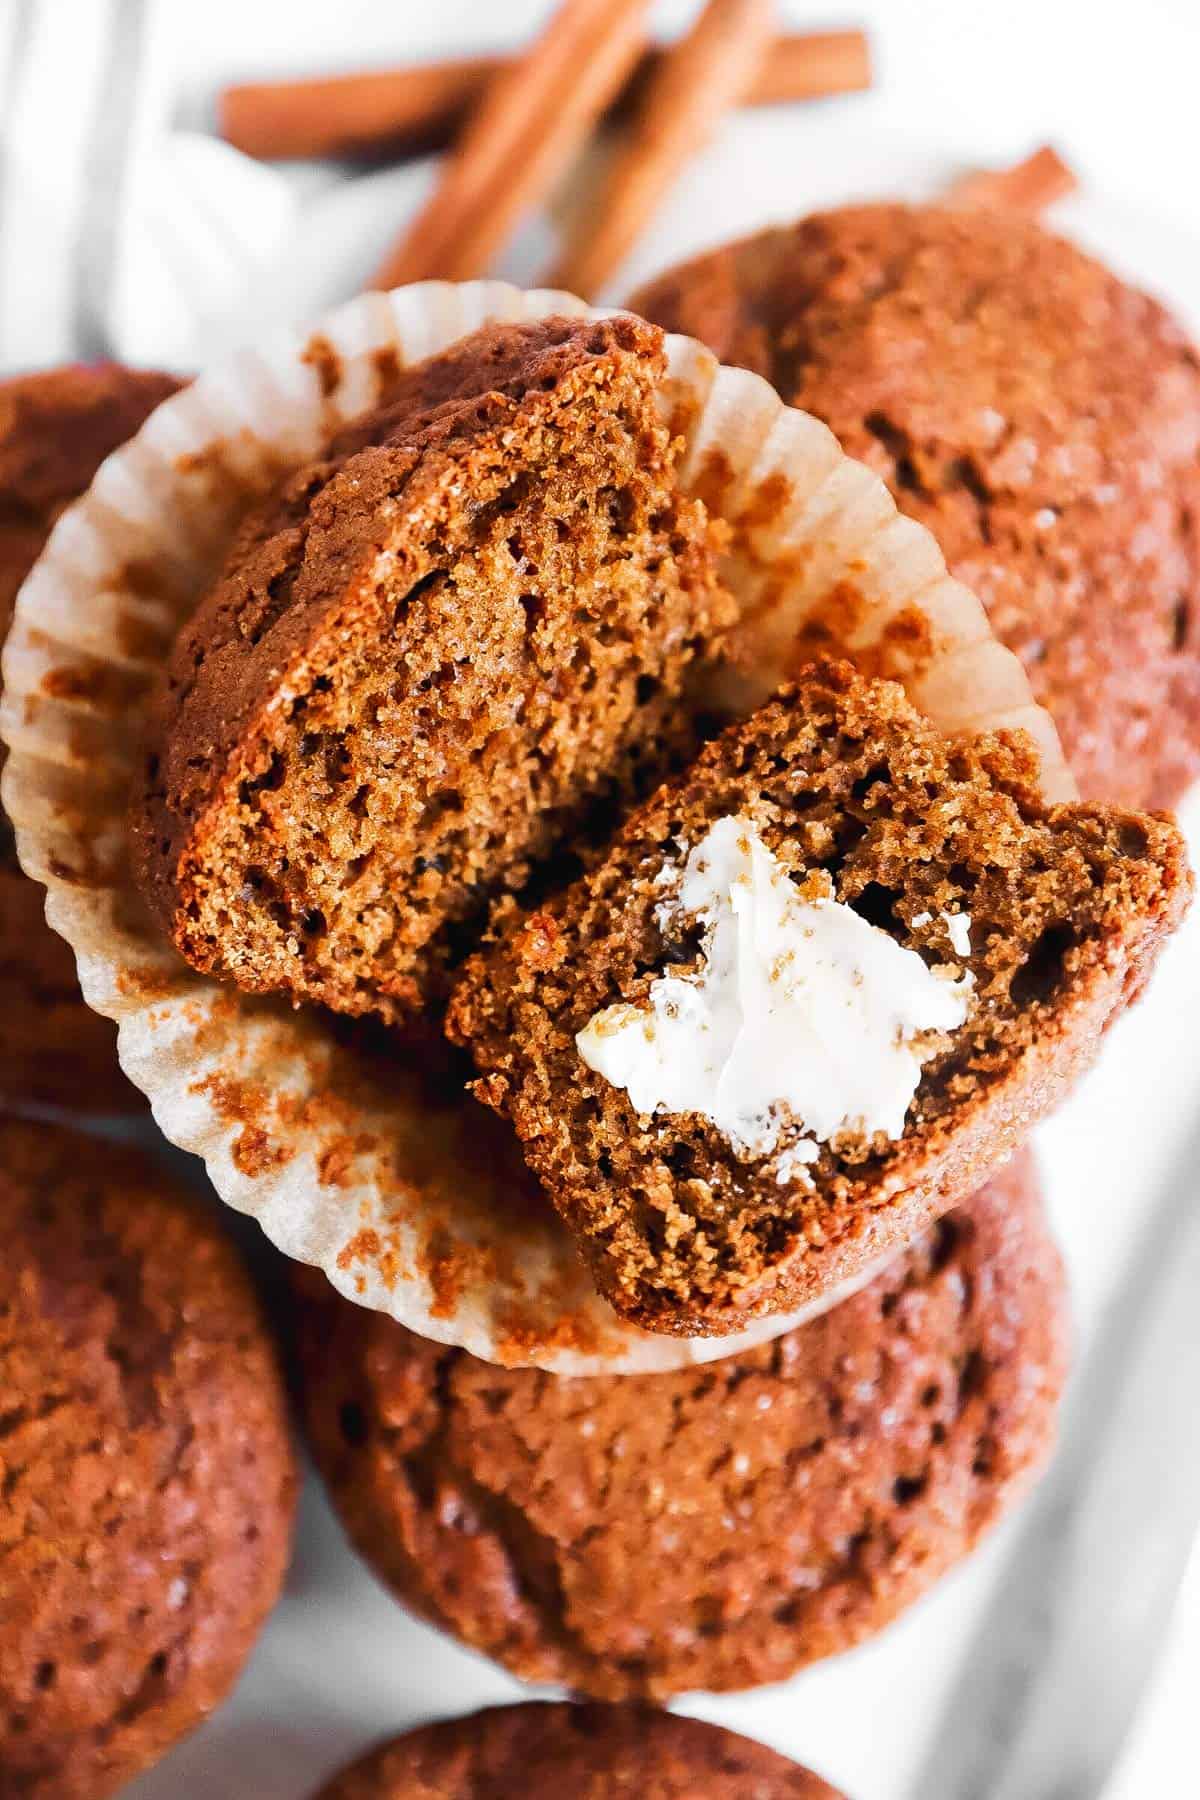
1028	186
395	112
531	121
374	114
707	72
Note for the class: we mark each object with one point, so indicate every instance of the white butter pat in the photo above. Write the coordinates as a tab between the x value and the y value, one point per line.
803	1018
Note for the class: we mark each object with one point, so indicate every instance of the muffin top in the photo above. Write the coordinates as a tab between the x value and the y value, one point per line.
1038	415
717	1527
545	1752
147	1480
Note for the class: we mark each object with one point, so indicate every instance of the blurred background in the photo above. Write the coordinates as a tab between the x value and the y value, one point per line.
129	228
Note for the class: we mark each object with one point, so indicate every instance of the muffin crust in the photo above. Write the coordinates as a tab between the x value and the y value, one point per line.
1038	415
147	1481
542	1751
717	1527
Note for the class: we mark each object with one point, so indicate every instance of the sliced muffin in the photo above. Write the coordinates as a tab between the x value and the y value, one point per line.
821	985
1041	417
545	1750
429	656
640	1536
147	1478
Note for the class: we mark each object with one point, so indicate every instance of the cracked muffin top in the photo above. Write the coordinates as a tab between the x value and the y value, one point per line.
147	1479
718	1527
1041	417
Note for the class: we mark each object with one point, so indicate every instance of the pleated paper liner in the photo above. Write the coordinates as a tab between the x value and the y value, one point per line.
408	1196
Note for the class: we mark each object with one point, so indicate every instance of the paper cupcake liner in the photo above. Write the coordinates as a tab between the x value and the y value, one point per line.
348	1163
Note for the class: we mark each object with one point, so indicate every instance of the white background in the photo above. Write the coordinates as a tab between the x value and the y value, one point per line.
1115	88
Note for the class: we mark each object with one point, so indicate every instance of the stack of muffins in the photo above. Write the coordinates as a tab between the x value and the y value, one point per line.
471	815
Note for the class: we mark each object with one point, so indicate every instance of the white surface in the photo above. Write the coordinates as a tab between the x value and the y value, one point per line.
339	1664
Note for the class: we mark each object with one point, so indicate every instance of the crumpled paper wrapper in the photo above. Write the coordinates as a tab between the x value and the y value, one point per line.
352	1155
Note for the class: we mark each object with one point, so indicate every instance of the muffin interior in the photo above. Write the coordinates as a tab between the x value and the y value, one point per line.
509	589
841	778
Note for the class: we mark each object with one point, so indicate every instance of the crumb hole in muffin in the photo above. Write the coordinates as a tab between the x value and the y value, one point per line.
1041	974
873	776
877	905
534	608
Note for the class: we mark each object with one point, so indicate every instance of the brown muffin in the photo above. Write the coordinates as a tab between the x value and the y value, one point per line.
544	1751
1033	411
1038	415
717	1527
56	428
428	656
862	800
147	1480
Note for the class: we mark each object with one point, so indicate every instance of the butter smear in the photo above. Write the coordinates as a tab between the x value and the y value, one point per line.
802	1022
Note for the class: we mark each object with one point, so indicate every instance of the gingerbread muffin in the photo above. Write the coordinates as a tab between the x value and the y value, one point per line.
1038	415
147	1481
428	657
545	1751
56	428
821	984
717	1527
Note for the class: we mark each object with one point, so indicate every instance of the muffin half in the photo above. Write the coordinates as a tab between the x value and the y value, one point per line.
820	986
429	656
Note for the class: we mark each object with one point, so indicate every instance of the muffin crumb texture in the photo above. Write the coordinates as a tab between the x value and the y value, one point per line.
432	658
147	1481
787	1501
846	784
